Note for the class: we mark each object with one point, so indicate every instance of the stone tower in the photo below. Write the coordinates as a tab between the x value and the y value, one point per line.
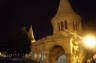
66	19
64	41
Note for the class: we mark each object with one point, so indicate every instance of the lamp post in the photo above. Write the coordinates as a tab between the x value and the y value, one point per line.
89	43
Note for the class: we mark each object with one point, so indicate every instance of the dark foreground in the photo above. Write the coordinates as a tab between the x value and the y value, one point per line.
15	60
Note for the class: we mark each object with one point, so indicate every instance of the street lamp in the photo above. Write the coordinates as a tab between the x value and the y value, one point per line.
89	41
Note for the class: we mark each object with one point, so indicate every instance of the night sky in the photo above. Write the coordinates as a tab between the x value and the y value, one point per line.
18	13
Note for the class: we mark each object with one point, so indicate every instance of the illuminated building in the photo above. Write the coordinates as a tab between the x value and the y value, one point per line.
64	41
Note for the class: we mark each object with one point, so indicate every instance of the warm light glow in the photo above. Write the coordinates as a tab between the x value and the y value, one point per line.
89	41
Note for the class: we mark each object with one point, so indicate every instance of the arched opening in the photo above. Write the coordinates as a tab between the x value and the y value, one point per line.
75	25
65	24
55	54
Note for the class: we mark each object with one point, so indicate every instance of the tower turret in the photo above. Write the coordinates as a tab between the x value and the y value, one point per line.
31	35
66	19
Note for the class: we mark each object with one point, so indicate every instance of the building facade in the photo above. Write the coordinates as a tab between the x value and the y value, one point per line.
64	42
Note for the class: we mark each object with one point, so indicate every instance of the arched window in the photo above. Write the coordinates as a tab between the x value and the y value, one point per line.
75	25
59	27
62	26
65	23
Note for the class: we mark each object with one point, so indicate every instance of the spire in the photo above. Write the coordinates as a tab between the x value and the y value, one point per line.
31	35
64	8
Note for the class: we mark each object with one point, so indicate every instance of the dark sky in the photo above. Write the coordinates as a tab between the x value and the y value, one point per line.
18	13
85	7
87	10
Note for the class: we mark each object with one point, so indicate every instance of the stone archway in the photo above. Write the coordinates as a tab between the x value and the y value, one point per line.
55	53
